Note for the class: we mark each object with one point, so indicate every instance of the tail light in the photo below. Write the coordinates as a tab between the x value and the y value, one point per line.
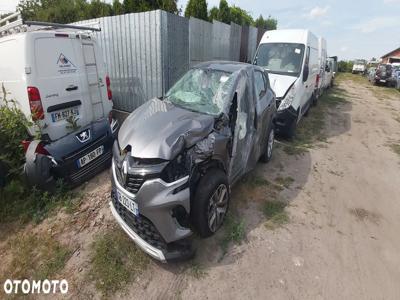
35	103
317	81
109	92
39	149
110	117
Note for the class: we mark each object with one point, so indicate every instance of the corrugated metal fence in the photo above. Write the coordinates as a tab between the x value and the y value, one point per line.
146	53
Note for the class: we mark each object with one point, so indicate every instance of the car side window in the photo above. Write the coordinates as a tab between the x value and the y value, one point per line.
260	84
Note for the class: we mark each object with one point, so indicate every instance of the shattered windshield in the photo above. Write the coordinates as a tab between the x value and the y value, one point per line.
280	58
202	90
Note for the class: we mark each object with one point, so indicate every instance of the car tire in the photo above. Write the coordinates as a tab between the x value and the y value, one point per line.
210	203
267	155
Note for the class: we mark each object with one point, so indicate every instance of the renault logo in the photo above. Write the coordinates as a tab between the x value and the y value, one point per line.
83	136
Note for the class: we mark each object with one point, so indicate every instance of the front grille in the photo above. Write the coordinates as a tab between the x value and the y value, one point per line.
93	145
134	183
91	169
141	226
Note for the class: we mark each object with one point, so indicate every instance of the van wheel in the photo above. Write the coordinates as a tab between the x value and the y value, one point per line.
267	155
210	203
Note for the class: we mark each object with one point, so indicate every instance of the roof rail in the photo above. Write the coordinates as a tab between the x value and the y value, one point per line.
6	24
15	23
57	25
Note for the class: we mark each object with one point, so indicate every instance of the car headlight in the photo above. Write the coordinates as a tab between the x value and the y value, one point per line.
176	169
288	100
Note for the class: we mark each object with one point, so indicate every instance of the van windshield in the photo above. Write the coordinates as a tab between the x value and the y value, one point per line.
281	58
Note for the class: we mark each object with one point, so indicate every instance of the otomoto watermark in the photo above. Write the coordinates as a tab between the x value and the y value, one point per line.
27	286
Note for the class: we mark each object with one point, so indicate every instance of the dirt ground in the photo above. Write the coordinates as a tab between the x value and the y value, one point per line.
342	240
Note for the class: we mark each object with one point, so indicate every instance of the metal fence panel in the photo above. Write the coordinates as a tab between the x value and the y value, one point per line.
235	41
252	45
131	46
220	41
176	52
200	36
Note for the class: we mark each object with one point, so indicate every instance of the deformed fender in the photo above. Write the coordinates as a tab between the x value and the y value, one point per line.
37	168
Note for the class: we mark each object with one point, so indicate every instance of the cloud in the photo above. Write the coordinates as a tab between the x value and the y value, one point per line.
318	12
377	23
391	1
343	48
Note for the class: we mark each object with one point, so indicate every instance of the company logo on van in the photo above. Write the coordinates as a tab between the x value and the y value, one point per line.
65	65
83	136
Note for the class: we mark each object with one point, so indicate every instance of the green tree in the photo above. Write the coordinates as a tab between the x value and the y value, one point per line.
240	16
117	8
197	9
213	15
224	13
99	8
268	24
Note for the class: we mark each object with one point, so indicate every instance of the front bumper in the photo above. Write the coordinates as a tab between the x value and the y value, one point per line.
284	119
155	230
67	150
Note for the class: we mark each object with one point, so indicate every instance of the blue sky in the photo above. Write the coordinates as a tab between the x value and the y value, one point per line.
352	28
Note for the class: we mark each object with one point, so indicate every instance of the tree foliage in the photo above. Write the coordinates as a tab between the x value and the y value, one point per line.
197	9
268	24
224	13
345	66
61	11
236	14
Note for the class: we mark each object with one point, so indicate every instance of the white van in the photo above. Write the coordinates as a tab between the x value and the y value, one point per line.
58	79
322	57
291	59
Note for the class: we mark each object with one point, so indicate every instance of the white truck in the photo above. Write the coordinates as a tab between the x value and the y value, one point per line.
322	57
291	60
359	67
58	78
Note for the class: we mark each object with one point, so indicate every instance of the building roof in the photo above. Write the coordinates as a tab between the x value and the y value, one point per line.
390	52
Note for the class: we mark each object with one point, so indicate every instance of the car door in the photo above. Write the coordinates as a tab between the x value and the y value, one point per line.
264	101
244	131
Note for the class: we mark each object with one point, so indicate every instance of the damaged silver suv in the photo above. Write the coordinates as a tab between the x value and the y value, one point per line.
176	159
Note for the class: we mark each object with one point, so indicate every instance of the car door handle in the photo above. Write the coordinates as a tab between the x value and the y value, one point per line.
71	88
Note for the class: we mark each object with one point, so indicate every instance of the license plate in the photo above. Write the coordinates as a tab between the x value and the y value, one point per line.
382	80
64	114
128	203
84	160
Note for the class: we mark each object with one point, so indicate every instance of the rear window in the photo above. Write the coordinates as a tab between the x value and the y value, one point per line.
55	57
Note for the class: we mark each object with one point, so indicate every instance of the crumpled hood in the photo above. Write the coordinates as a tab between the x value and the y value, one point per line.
158	129
280	83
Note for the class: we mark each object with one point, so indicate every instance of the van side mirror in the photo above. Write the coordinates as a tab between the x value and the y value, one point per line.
327	69
305	73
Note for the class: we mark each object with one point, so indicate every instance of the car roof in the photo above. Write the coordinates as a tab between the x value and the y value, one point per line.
226	66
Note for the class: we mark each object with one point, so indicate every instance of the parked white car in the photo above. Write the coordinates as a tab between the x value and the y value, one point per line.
291	59
58	79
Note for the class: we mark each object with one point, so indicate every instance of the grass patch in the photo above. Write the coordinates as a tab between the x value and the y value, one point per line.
311	128
115	261
284	181
18	202
275	213
395	148
36	257
196	270
255	181
234	232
